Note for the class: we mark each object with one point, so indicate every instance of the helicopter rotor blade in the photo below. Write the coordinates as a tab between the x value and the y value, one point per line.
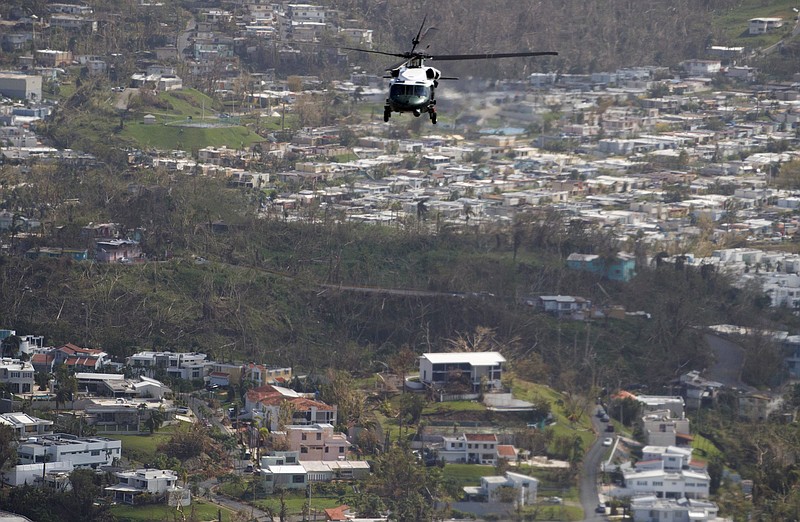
399	55
491	56
416	39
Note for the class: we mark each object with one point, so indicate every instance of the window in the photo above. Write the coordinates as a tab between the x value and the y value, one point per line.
303	450
326	449
657	483
95	453
303	436
298	479
319	436
341	449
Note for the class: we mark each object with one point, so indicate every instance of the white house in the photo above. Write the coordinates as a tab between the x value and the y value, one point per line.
284	477
668	458
763	25
189	366
157	482
17	375
437	369
471	448
654	509
562	305
661	429
32	473
666	484
525	488
88	452
25	426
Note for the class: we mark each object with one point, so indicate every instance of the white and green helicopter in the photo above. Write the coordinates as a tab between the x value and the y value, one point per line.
412	84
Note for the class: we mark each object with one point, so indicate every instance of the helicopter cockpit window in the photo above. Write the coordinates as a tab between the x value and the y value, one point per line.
400	89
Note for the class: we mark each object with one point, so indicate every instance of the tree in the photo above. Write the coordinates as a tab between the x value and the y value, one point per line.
405	486
8	450
155	420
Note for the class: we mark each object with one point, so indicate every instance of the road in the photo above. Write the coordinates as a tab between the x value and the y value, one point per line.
589	474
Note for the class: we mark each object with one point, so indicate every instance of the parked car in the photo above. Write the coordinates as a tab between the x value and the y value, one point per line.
601	508
553	500
610	428
604	418
608	441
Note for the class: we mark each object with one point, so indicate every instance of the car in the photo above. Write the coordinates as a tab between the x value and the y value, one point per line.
608	441
604	418
601	508
610	428
249	468
553	500
600	412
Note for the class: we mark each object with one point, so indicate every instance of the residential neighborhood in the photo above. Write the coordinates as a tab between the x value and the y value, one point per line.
231	291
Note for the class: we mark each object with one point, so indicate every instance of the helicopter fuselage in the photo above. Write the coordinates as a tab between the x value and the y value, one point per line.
412	89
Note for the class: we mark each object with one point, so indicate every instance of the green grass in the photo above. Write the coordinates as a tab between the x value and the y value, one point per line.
201	510
188	138
467	474
443	408
296	500
563	427
143	448
705	449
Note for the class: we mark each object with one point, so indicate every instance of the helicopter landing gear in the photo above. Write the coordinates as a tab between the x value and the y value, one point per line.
432	114
387	113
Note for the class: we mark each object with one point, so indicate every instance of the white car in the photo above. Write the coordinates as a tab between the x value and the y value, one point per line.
608	441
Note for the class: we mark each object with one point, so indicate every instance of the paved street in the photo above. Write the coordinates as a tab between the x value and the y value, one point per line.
589	474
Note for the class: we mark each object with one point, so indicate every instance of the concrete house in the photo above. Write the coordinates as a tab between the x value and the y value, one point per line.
438	369
264	404
525	488
317	442
158	482
470	448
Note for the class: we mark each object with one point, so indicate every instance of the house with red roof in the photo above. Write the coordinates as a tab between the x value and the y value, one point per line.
265	403
79	359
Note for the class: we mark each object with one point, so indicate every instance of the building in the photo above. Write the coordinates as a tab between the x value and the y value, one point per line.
79	359
31	474
25	426
564	305
124	415
524	488
661	429
441	369
621	268
117	251
265	403
16	375
317	442
669	458
161	483
260	374
284	477
470	448
88	452
21	86
188	366
53	58
654	509
763	25
683	483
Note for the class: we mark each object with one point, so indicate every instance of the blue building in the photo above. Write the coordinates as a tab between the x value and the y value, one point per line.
623	268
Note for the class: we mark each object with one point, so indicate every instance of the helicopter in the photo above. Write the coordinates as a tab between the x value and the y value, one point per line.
412	83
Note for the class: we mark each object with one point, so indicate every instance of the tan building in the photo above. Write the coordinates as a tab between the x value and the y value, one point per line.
317	442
